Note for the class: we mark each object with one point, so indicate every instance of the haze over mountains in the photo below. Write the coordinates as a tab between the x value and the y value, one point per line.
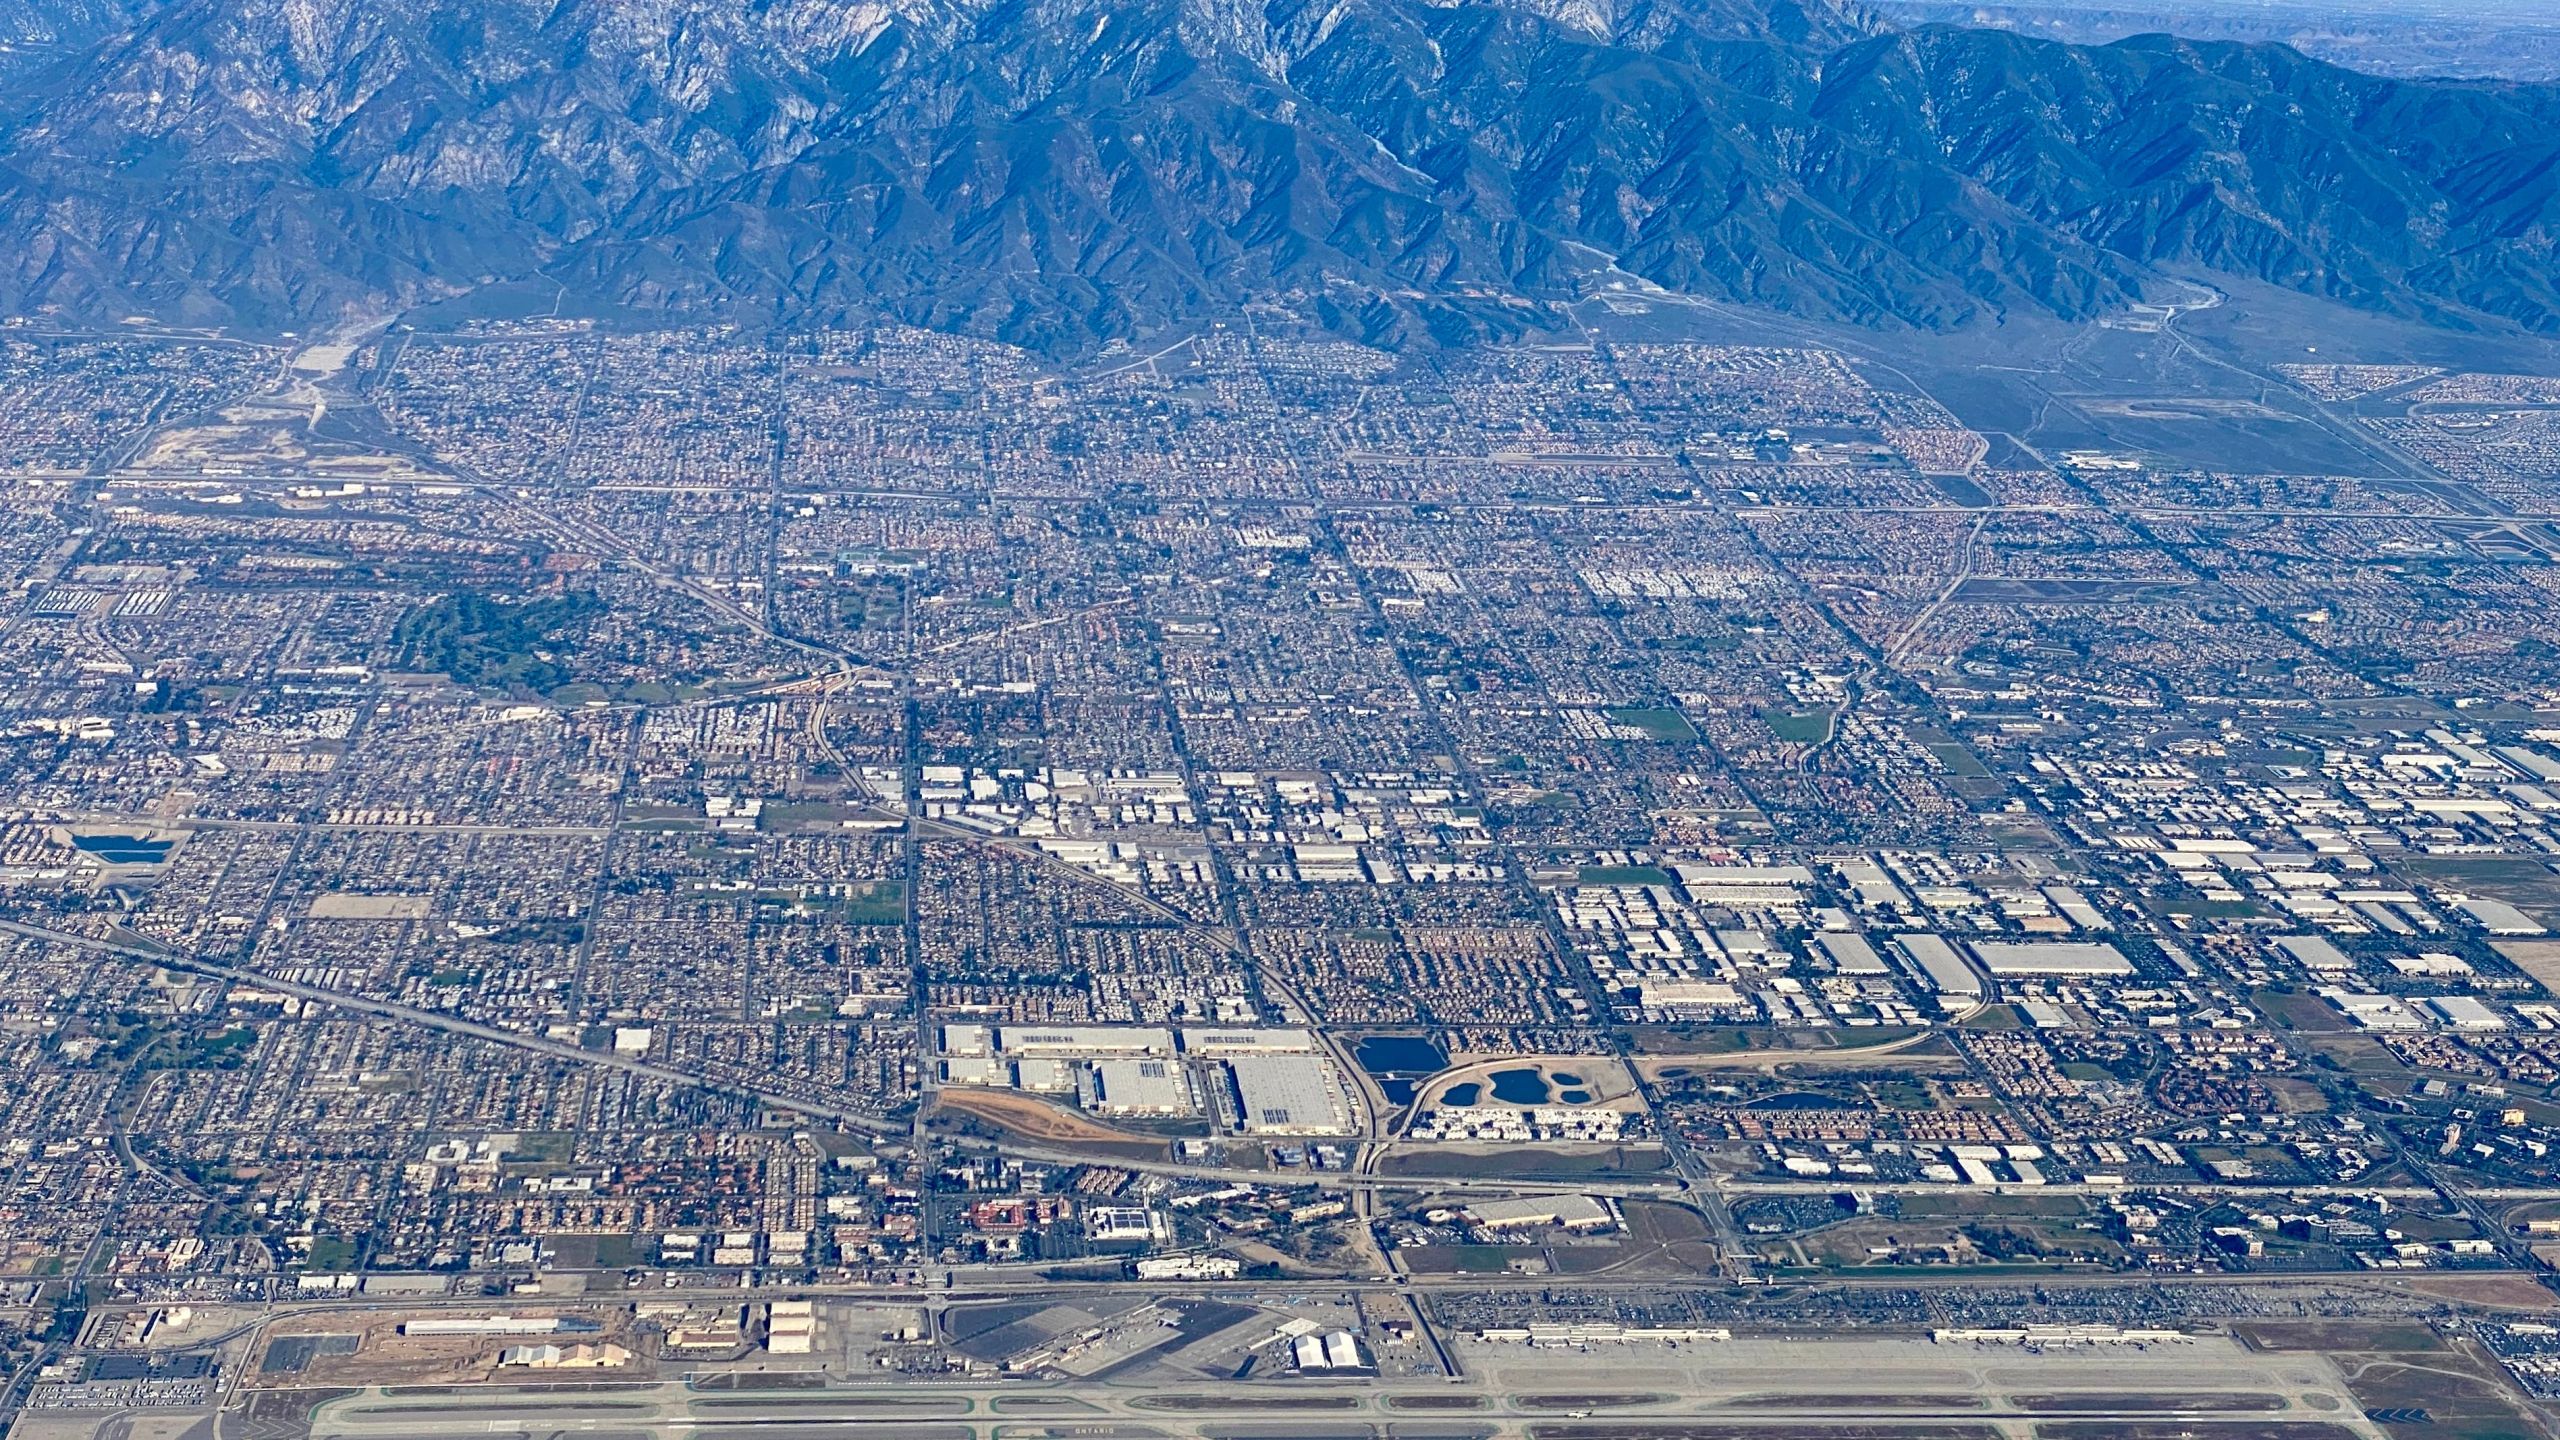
2488	39
1058	173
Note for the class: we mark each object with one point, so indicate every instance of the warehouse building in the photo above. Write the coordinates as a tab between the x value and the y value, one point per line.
2071	959
1269	1040
1850	954
1741	885
1015	1041
975	1070
2373	1012
2500	918
1578	1213
2461	1012
1689	995
1136	1087
1940	967
1043	1076
2312	952
1287	1095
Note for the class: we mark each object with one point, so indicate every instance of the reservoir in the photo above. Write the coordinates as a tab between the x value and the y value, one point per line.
123	849
1398	1062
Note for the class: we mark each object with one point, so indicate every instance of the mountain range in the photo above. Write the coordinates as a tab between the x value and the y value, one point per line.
2483	38
1060	173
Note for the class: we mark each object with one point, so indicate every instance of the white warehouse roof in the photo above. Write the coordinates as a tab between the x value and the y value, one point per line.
1288	1095
2051	957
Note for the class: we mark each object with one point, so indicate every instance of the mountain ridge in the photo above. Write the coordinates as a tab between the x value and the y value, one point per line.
1060	174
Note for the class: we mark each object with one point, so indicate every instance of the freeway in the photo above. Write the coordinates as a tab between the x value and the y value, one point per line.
437	1020
296	827
2211	1188
1895	652
804	1105
1667	1188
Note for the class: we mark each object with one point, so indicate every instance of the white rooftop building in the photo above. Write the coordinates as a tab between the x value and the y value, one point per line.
1015	1041
1288	1095
2091	958
1137	1087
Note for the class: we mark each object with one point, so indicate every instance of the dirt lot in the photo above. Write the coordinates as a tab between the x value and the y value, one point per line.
2507	1291
2455	1395
1917	1052
1035	1119
2397	1336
